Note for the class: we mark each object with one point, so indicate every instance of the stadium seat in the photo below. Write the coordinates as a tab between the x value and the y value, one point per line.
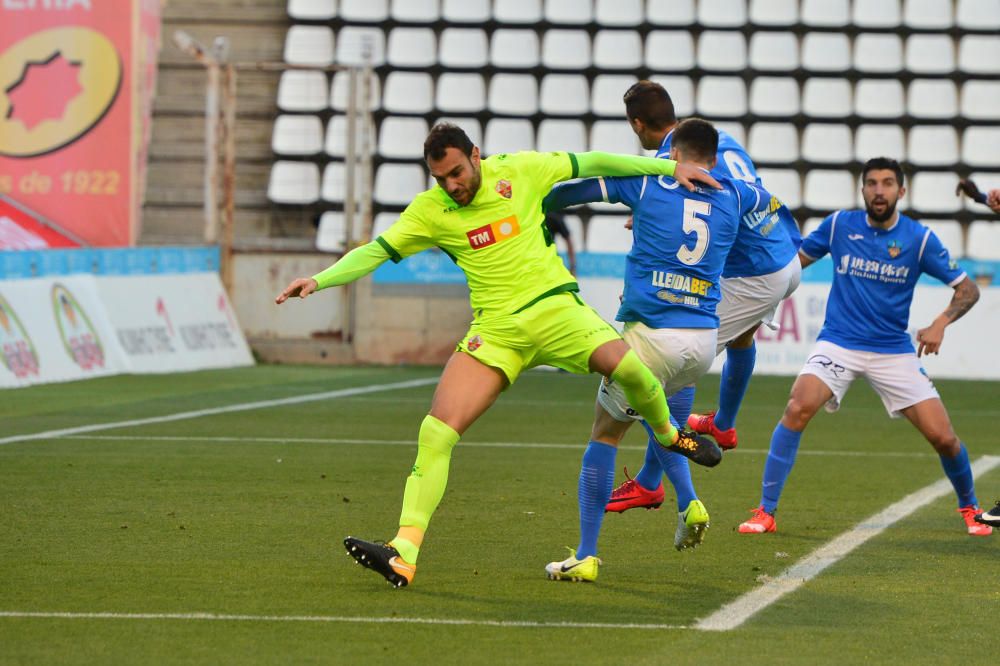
829	190
382	223
811	225
561	135
364	11
412	47
878	53
335	144
606	234
331	233
876	14
774	51
722	50
826	52
415	11
949	232
466	11
464	48
618	49
302	91
879	98
473	128
309	45
513	94
979	54
508	135
933	145
733	128
927	14
930	54
461	93
722	13
721	96
566	49
402	138
984	240
826	13
297	135
607	92
514	49
932	98
774	12
681	91
618	13
408	92
575	226
670	12
981	100
564	95
526	12
774	142
827	98
879	141
978	14
354	42
312	10
293	183
397	184
613	136
981	146
827	143
932	192
340	85
669	50
569	12
784	184
774	96
334	189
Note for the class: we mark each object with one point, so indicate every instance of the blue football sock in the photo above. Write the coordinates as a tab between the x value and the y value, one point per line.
780	459
958	471
597	479
736	372
651	474
675	466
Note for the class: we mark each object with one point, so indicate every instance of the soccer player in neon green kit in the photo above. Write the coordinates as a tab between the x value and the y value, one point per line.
487	216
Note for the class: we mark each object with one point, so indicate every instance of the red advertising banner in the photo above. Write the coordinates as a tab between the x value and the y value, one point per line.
19	230
72	106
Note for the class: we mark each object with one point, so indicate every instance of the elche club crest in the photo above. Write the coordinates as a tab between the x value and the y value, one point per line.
79	336
894	249
504	189
474	343
17	352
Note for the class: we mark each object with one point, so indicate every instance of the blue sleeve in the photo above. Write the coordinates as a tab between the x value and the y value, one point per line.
565	195
935	260
624	190
817	244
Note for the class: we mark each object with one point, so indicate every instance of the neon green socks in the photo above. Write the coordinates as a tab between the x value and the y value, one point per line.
644	394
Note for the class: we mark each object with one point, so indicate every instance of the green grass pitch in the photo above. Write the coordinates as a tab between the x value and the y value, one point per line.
243	513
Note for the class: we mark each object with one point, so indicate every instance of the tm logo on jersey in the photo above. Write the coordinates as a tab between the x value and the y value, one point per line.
871	269
493	233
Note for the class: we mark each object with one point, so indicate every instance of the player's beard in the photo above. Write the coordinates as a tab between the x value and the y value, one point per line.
885	216
469	191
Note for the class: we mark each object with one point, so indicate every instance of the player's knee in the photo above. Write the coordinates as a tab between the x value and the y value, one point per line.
944	441
798	413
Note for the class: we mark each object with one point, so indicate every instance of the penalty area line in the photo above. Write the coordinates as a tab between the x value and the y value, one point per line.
735	613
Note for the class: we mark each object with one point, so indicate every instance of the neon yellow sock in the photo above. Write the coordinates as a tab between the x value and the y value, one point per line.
645	395
428	479
407	549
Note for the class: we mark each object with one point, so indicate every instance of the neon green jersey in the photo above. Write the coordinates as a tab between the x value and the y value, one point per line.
499	240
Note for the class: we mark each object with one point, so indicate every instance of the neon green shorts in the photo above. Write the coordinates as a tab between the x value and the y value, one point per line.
560	330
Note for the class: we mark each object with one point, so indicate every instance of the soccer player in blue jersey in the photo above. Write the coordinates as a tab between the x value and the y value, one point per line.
761	270
672	274
878	256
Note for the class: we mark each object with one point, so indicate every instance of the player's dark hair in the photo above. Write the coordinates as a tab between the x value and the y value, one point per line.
443	136
697	139
650	103
882	163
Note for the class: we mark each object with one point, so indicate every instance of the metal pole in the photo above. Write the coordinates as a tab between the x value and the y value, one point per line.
228	176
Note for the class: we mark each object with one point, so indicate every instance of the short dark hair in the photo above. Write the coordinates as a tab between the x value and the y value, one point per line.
696	138
882	163
443	136
650	103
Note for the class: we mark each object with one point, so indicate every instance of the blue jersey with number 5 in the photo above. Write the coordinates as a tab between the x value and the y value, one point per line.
766	244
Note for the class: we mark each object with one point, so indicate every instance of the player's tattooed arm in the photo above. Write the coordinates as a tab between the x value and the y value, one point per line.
929	339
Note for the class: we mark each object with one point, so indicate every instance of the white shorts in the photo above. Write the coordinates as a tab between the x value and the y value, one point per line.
899	379
676	356
748	301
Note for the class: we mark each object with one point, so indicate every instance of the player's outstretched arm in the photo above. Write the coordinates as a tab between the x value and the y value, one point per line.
929	339
573	194
596	163
355	264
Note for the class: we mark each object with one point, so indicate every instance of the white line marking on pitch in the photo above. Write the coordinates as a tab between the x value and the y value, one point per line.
334	618
226	409
735	613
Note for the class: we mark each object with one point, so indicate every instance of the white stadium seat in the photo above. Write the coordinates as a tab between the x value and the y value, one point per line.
339	91
408	92
312	10
561	135
293	183
784	184
722	50
949	232
979	54
613	136
774	142
828	143
879	98
402	138
878	53
617	13
978	14
981	146
355	42
331	232
607	234
774	12
297	135
572	12
364	11
927	14
473	128
774	96
930	54
733	128
397	184
826	52
826	13
564	95
415	11
334	189
827	98
981	100
566	49
681	91
932	98
514	49
466	11
876	14
617	49
984	240
412	47
811	225
382	223
309	45
513	94
931	145
607	92
508	135
722	13
335	144
932	192
463	47
526	12
721	96
670	12
670	50
300	90
879	141
774	51
461	93
829	190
